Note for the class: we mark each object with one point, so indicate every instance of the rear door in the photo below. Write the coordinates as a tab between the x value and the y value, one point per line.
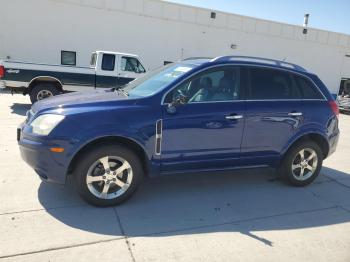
273	114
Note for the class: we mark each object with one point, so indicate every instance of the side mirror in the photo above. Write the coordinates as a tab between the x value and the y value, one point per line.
171	109
179	101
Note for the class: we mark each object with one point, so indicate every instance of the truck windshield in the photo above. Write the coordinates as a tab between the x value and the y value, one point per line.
156	80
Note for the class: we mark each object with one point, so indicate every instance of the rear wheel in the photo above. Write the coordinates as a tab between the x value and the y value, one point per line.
42	91
302	164
108	175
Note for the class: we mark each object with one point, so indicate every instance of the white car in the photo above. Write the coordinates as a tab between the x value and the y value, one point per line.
344	103
107	70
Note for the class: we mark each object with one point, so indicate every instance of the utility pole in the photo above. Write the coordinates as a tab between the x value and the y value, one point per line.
306	23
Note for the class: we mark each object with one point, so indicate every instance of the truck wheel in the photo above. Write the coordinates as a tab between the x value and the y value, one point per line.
42	91
108	175
302	164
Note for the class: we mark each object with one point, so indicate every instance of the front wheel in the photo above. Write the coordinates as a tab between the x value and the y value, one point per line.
108	175
302	164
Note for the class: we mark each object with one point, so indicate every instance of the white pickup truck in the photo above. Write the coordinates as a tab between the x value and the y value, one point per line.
107	70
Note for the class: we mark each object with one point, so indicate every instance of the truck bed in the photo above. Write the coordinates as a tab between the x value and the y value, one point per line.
21	74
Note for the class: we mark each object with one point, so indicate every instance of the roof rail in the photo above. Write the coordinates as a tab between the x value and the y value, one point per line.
259	60
196	58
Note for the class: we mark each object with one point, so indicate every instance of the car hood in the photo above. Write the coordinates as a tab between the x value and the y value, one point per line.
78	99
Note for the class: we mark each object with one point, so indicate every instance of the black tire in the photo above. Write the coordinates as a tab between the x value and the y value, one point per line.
40	87
87	160
290	158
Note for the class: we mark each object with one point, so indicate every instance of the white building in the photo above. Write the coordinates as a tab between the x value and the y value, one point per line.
38	30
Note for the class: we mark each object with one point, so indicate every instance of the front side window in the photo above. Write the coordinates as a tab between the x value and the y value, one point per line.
308	89
271	84
214	85
68	58
132	64
108	62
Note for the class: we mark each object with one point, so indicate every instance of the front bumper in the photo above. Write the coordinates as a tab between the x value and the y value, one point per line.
51	167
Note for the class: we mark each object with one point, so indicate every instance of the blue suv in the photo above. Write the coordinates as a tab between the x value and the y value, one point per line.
192	116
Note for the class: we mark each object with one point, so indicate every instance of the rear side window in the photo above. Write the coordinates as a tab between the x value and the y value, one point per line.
266	83
68	58
108	62
308	89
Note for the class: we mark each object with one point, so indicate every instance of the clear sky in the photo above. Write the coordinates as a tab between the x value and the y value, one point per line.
333	15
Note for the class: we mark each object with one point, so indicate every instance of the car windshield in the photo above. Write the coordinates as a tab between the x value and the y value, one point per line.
156	80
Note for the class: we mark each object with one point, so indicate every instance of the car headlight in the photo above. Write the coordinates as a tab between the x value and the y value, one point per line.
44	124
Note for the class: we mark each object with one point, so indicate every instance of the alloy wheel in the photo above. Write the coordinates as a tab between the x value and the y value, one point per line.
304	164
109	177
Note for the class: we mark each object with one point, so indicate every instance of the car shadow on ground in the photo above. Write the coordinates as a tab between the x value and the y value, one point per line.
20	109
244	202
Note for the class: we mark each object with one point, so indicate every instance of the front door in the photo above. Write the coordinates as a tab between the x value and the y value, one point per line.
130	68
205	132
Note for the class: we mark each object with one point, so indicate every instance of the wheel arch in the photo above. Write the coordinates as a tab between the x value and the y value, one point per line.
45	79
318	138
108	140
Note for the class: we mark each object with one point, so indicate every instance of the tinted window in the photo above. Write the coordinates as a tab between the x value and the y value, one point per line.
220	84
68	58
108	62
132	64
308	89
268	83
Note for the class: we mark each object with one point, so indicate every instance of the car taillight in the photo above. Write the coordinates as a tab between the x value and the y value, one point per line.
2	71
334	106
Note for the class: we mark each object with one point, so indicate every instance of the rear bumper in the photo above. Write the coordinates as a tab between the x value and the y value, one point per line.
333	135
333	142
2	84
14	86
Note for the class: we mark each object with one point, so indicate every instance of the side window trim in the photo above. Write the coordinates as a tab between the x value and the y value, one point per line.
199	74
243	65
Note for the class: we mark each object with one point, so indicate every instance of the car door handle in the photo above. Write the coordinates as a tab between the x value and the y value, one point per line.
295	114
233	117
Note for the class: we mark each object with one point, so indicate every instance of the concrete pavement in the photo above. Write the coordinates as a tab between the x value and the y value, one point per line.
232	216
